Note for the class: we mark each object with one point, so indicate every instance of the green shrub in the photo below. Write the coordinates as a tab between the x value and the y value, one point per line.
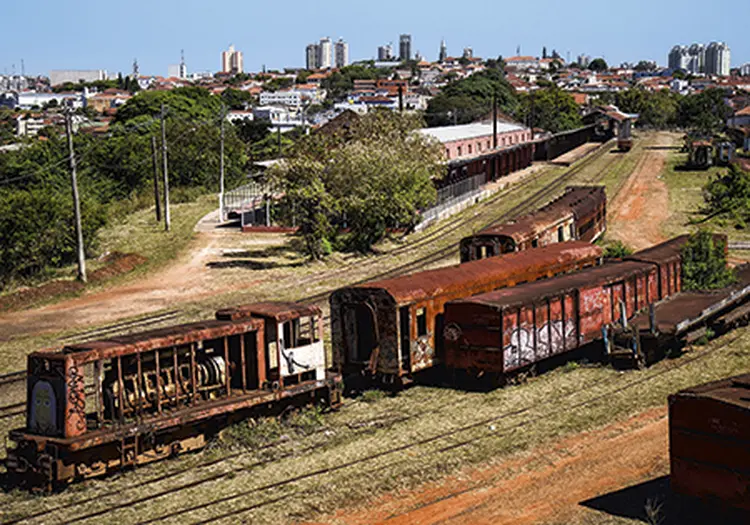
704	263
617	250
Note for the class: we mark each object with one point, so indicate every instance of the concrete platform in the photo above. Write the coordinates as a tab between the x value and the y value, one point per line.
574	155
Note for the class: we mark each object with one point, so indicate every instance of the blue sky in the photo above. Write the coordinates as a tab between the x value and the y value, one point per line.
83	34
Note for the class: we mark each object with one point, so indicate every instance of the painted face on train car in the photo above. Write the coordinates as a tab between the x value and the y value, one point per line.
43	418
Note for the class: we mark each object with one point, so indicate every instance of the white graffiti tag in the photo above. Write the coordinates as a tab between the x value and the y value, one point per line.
551	338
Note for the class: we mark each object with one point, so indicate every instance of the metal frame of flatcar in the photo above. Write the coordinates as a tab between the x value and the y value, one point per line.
388	301
88	444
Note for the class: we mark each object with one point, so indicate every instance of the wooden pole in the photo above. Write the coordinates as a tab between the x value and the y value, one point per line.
157	199
76	199
165	171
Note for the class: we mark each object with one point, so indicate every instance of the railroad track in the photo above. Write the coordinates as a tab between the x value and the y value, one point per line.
447	441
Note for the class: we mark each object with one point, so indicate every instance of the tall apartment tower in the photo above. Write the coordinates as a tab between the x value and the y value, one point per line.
468	53
311	56
231	61
341	53
182	70
385	53
324	53
718	59
404	47
443	51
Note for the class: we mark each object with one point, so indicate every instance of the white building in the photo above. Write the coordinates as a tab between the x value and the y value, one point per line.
61	76
281	98
325	48
745	70
385	53
281	118
341	52
31	99
717	59
231	61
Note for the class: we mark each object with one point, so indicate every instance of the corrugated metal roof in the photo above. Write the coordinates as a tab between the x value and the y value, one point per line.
512	266
557	286
280	311
469	131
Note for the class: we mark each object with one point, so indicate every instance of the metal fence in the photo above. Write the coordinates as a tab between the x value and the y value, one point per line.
453	195
246	199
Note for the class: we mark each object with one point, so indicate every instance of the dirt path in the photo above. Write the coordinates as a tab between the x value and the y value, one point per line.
635	217
188	278
545	484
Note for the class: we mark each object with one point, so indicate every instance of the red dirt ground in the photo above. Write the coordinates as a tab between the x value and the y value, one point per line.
542	485
637	213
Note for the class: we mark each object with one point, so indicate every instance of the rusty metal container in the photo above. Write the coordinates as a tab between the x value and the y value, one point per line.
510	329
709	442
579	214
394	327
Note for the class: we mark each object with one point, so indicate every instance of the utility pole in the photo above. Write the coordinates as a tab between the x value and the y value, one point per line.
165	171
76	199
494	121
157	200
221	166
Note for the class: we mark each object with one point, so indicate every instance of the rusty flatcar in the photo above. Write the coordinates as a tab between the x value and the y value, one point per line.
393	328
578	214
98	407
507	330
709	443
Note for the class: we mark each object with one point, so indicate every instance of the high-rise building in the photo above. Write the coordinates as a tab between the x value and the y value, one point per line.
385	53
183	66
341	52
468	53
745	70
231	61
717	59
443	51
404	47
324	53
584	60
311	56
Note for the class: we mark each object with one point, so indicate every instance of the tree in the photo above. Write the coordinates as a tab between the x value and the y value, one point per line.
598	65
657	110
704	263
469	99
251	131
728	195
236	98
645	66
377	177
551	109
705	112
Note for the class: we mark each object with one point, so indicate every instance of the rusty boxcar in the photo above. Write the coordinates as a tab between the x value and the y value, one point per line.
393	328
97	407
709	442
579	214
507	330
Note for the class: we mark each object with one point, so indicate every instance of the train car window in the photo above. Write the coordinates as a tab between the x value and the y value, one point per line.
304	334
421	322
273	356
314	328
404	327
560	234
535	243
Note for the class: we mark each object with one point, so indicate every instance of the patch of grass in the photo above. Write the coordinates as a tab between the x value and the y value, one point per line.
372	396
252	433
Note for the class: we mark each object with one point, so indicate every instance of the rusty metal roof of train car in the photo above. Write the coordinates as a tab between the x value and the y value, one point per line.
555	287
281	311
666	251
732	391
434	282
157	338
533	223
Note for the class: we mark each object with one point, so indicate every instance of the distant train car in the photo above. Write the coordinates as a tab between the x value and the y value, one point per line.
579	214
709	443
98	407
393	328
511	329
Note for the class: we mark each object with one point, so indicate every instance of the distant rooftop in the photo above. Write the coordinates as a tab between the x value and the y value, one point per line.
469	131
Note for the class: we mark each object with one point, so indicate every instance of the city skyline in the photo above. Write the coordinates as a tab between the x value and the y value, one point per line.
203	33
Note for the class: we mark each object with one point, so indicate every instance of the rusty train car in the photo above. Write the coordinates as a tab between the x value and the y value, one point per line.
508	330
578	214
393	329
709	443
98	407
